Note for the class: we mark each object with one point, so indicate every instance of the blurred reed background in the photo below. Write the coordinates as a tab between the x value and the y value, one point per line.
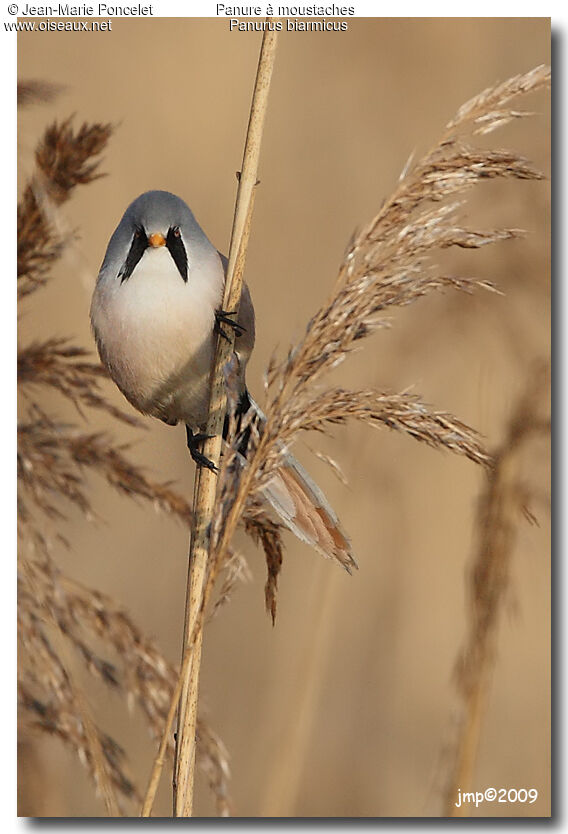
348	706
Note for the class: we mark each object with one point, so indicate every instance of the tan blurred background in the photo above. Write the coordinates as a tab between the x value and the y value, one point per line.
347	706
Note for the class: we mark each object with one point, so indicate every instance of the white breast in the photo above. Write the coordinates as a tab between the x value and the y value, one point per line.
155	333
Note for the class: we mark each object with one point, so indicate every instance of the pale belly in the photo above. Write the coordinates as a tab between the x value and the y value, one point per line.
157	341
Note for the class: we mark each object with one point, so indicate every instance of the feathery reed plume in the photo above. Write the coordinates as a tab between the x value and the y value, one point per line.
51	462
139	672
389	263
58	616
36	92
50	700
64	159
64	367
234	570
503	501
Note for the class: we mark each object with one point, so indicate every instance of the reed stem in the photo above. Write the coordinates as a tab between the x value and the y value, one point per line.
206	480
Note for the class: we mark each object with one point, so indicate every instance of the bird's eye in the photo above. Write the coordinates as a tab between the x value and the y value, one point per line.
139	232
176	231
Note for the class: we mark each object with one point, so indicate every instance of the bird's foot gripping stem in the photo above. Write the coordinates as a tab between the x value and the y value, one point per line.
193	441
224	317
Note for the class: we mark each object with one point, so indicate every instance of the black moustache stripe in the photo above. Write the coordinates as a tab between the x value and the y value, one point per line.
137	248
139	244
177	251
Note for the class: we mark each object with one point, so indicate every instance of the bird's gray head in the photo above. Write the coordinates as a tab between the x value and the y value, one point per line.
152	220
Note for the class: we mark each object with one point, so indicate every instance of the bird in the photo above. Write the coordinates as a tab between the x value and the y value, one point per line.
155	314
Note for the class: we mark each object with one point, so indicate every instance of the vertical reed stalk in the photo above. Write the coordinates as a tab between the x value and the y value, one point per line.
501	504
488	583
162	749
206	480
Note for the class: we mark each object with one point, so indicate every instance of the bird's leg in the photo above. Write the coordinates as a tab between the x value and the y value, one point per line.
224	317
193	441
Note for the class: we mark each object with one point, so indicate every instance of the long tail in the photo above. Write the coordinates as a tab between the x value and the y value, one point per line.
301	505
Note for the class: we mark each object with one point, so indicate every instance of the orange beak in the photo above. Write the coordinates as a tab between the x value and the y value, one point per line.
157	239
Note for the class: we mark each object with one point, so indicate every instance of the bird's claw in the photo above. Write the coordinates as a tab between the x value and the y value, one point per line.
193	441
224	317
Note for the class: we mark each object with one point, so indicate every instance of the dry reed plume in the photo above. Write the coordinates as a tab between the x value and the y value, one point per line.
389	263
58	619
